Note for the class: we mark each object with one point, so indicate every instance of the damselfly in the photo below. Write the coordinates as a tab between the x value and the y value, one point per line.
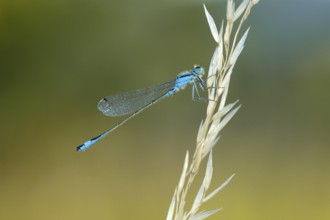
134	102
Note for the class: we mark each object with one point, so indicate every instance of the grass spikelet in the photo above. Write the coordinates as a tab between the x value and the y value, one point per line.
218	113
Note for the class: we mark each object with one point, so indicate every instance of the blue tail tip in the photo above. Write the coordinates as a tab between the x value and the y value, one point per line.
79	148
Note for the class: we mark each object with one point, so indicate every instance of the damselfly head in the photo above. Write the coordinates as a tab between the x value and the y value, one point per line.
199	70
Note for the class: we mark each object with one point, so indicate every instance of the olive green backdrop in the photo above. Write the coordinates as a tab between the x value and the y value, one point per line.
59	58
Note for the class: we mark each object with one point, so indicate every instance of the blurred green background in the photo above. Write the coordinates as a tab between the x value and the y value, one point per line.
58	58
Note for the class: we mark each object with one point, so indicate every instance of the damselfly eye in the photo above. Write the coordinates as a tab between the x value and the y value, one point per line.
198	70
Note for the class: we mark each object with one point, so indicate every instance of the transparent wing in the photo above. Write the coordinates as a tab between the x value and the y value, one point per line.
129	102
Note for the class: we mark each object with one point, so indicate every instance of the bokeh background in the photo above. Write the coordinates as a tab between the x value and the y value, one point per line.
58	58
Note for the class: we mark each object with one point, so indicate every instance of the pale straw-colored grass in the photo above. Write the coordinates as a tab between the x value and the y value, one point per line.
218	113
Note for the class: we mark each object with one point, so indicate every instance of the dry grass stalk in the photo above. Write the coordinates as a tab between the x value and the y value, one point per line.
218	113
